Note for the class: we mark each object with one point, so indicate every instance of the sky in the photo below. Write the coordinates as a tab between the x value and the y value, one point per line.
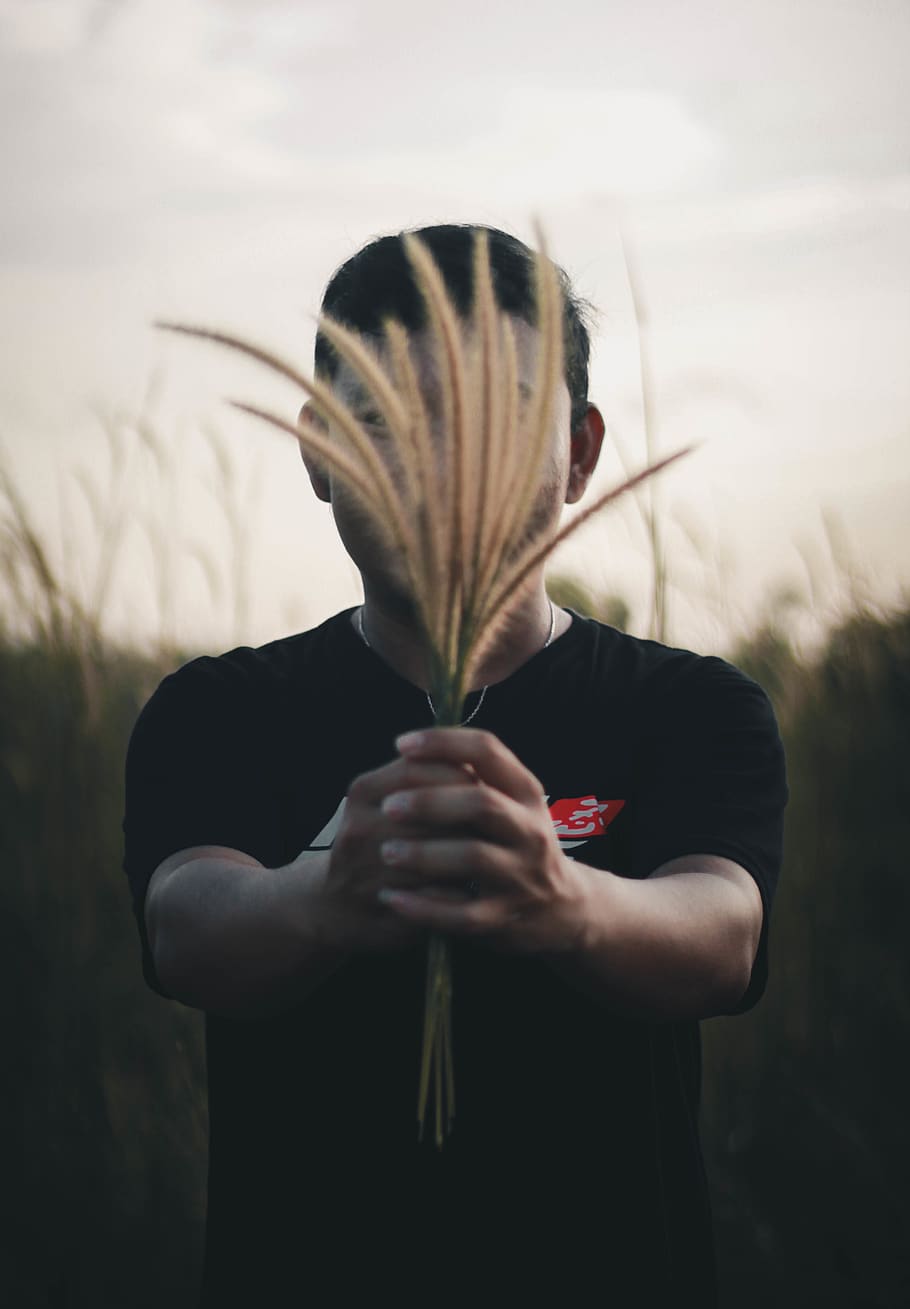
214	160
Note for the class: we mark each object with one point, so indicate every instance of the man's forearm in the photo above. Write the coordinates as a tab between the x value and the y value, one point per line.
241	940
679	944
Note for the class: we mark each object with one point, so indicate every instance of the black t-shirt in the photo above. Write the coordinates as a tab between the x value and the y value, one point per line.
574	1169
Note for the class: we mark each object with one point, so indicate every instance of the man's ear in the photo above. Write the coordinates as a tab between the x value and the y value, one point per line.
587	439
319	477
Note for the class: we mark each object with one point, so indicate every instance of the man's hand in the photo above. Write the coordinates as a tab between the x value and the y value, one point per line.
482	827
677	944
352	908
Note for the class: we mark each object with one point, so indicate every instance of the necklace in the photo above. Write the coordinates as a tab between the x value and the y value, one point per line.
483	689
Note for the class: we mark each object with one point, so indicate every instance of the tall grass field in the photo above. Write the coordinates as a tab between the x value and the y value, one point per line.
103	1121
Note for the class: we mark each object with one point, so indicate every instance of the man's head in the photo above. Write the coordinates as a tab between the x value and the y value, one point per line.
378	283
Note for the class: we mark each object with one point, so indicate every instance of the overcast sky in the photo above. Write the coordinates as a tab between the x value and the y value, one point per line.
214	160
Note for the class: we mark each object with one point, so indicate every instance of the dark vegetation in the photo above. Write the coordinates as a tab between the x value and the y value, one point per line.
103	1117
806	1121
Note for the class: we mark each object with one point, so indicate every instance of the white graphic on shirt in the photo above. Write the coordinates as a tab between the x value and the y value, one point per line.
326	837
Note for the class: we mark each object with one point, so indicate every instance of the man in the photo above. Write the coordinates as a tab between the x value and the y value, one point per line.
600	842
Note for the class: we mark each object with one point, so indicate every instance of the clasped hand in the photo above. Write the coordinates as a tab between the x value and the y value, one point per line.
455	836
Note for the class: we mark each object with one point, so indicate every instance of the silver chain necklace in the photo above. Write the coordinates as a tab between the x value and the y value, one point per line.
484	689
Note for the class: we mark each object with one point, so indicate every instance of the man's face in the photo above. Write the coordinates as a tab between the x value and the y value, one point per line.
368	546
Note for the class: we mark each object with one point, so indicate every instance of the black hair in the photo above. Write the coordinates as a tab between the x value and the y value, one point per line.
378	283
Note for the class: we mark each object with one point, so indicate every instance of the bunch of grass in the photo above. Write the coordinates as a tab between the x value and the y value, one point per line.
469	561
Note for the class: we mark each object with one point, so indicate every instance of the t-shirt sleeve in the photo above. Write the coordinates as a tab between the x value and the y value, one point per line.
196	774
713	781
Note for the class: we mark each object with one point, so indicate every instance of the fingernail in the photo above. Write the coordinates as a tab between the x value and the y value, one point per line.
387	896
410	741
393	852
398	803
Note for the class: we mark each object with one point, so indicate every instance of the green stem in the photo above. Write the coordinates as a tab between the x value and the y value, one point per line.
436	1055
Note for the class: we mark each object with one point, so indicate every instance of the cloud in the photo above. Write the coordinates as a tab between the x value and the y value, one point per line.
558	143
42	28
824	206
174	94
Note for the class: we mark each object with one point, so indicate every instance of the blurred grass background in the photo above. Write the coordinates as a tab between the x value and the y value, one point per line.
103	1096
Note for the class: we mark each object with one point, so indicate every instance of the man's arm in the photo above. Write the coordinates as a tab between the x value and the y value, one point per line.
233	937
678	944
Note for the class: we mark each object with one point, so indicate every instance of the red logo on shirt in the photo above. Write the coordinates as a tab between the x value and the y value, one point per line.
583	818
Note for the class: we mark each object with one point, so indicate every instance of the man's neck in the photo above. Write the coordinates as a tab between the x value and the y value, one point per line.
397	641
